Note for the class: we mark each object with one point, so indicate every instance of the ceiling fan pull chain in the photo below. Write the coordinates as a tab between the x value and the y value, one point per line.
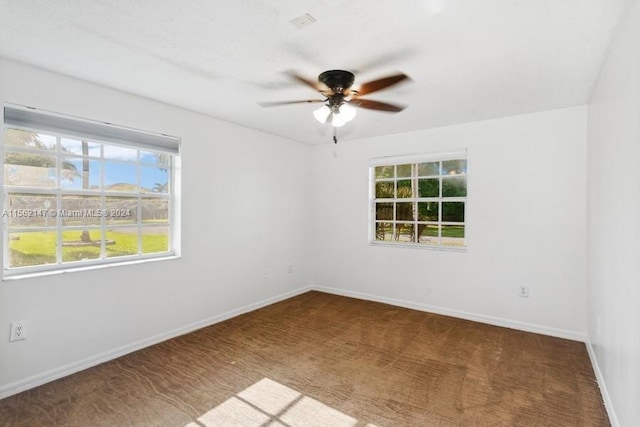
335	138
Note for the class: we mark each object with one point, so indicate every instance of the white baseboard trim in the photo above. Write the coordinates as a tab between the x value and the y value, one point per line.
491	320
608	404
80	365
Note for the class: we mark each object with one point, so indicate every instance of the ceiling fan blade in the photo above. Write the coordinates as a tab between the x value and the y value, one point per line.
313	84
376	85
276	103
377	105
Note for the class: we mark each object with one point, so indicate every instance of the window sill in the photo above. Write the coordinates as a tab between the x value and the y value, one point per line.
64	270
420	246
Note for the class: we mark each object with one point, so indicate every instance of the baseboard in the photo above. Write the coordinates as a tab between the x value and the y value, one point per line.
71	368
608	404
491	320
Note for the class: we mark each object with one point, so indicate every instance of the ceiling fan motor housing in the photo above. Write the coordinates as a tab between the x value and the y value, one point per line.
337	80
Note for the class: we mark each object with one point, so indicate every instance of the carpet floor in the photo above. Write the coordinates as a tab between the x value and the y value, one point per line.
326	360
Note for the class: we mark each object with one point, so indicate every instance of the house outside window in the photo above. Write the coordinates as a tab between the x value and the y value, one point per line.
78	193
419	200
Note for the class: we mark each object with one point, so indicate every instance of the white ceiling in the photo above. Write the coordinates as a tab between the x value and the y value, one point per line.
468	59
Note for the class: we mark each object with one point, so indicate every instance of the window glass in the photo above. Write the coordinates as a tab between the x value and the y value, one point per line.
453	211
122	241
73	201
30	169
32	248
30	140
429	234
404	233
155	211
80	210
429	187
121	210
453	235
403	170
429	169
155	158
421	203
117	152
384	231
404	189
404	211
384	190
385	172
454	186
155	239
384	211
81	245
80	174
454	167
120	176
30	210
428	211
79	147
155	179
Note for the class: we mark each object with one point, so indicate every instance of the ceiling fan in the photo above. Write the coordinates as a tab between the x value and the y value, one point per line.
339	97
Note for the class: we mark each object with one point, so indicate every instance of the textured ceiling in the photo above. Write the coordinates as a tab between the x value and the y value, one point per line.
468	59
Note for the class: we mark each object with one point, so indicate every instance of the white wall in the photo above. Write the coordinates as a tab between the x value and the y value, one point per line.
525	217
614	225
245	208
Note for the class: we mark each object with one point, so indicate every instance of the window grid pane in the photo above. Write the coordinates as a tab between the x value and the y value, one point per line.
420	203
70	201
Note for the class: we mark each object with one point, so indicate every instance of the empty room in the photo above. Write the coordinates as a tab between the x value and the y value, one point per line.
346	213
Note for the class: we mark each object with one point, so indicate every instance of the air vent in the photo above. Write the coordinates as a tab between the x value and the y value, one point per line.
303	21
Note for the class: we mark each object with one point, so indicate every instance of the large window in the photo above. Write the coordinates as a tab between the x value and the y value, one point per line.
419	200
80	193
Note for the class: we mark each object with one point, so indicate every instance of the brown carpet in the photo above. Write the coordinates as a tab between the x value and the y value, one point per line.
325	360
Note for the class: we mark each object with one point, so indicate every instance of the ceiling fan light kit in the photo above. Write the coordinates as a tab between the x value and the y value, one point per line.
337	115
340	99
322	114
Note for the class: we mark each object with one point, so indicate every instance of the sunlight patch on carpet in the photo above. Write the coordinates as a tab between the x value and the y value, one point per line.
269	403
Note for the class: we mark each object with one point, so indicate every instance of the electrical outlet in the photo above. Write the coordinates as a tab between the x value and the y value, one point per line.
266	275
290	268
18	331
523	291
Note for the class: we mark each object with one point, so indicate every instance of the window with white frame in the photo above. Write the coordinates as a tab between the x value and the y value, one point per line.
419	200
79	193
